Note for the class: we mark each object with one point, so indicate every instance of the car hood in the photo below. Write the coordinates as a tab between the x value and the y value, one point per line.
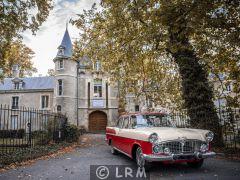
171	133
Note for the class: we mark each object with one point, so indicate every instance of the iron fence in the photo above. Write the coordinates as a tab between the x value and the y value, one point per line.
228	120
27	127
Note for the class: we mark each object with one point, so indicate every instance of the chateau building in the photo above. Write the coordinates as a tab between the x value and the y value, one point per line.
79	89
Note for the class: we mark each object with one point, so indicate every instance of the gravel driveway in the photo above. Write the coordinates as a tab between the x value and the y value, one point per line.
94	151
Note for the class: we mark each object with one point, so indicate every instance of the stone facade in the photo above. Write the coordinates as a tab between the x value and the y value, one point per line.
88	101
28	98
27	92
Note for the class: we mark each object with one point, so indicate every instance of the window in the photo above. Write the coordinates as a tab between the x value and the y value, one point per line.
59	108
136	108
60	87
228	87
120	122
45	102
15	102
125	123
61	64
14	119
106	94
97	91
88	94
61	51
97	66
133	122
97	88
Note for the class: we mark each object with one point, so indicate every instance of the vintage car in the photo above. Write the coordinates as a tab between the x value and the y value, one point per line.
151	137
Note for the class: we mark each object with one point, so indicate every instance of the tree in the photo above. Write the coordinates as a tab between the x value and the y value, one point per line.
144	77
22	55
191	33
17	16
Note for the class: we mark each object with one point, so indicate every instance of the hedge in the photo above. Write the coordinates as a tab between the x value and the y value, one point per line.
19	133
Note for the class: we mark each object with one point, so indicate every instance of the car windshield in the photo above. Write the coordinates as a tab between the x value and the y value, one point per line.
153	120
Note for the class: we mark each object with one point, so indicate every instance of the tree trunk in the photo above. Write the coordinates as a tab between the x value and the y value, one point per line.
197	93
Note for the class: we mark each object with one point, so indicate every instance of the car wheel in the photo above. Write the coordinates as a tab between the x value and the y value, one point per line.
196	164
141	162
113	150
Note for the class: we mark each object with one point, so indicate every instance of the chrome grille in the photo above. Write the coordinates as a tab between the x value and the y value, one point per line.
177	147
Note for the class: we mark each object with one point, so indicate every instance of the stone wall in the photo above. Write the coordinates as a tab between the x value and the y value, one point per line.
27	98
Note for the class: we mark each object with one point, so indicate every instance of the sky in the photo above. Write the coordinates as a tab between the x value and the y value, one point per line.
50	34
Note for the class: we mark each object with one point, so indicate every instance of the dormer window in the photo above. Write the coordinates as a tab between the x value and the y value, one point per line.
85	63
61	51
16	85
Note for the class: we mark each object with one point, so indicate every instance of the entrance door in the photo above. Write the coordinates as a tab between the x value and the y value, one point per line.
97	122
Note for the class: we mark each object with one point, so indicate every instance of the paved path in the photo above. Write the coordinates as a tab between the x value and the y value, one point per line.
94	151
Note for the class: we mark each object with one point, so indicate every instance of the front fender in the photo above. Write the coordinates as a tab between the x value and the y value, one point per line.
145	146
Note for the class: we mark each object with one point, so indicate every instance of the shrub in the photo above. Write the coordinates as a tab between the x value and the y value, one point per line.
41	137
70	132
82	130
52	129
18	133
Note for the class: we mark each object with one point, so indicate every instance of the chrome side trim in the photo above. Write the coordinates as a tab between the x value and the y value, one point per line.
122	152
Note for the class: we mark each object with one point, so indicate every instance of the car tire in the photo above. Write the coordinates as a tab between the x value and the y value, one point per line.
141	162
196	164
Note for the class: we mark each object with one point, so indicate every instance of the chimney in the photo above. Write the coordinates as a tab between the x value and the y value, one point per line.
15	71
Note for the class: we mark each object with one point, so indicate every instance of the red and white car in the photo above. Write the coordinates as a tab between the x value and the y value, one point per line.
149	137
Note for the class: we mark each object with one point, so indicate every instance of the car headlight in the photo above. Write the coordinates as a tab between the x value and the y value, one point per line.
153	138
157	149
204	148
209	136
166	150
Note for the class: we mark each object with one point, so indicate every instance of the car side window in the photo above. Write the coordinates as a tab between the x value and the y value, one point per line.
125	123
132	122
120	121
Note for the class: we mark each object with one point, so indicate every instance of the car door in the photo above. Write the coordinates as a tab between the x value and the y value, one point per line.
116	141
122	134
130	134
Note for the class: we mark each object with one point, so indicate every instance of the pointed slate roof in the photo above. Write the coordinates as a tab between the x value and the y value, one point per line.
66	44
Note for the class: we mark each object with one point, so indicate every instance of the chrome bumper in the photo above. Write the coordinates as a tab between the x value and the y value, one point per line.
175	157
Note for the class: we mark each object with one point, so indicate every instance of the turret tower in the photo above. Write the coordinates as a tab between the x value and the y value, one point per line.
65	81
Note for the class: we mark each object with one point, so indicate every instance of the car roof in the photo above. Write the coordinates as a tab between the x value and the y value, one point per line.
142	113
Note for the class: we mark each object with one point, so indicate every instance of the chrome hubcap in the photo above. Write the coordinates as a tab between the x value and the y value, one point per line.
139	158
